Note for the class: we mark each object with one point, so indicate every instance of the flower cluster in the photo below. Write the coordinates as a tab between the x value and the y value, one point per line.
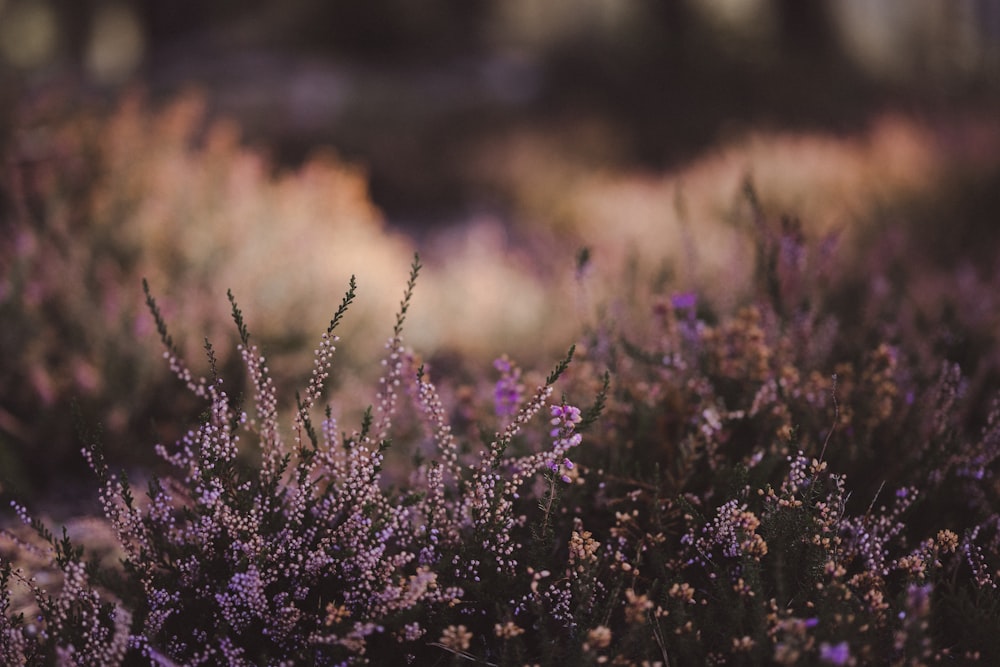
564	420
508	390
306	555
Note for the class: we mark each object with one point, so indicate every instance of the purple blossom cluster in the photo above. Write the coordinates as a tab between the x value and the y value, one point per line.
309	555
564	420
508	391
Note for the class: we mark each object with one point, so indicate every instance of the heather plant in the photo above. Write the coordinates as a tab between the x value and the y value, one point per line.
711	516
811	499
305	555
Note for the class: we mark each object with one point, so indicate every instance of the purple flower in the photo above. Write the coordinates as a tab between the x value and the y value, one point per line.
684	301
918	599
507	393
835	654
565	416
564	420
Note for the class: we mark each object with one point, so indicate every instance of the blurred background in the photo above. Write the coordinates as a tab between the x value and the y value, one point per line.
419	93
276	148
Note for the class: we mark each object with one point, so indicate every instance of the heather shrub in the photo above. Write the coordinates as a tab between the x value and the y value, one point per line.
748	492
702	387
305	554
813	496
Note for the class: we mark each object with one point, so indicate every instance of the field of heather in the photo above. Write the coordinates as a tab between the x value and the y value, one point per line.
469	380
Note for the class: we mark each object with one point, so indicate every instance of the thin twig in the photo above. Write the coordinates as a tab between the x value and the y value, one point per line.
659	640
836	417
462	654
877	494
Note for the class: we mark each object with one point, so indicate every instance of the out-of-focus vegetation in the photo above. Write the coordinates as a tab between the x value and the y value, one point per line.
415	94
94	204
